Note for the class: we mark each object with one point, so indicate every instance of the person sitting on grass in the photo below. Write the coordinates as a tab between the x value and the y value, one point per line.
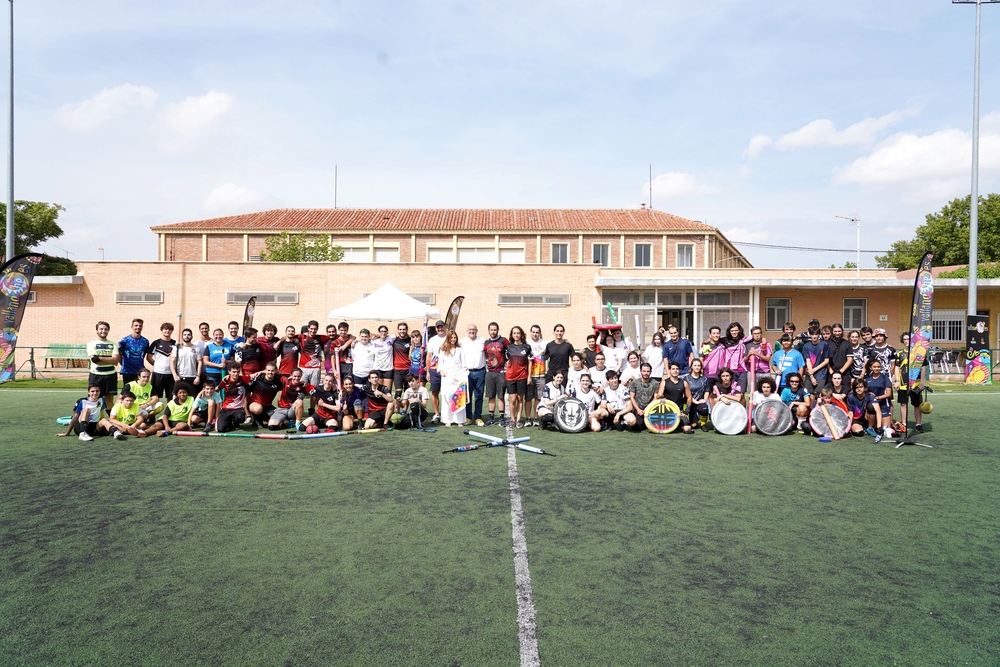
866	417
726	390
615	403
150	405
290	407
764	392
381	404
414	402
823	399
125	418
177	415
88	416
264	386
880	385
328	407
203	412
642	391
798	399
591	401
353	400
676	390
552	392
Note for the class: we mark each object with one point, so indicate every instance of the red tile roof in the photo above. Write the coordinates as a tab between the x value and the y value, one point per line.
440	220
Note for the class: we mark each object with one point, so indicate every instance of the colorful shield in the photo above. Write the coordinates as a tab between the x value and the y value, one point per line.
772	418
662	416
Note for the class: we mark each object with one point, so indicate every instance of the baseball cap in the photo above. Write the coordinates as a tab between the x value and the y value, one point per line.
439	323
879	332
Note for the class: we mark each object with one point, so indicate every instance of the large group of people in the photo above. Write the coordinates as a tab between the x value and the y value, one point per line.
309	380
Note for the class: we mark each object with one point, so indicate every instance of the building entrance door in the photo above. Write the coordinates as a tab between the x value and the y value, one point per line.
681	318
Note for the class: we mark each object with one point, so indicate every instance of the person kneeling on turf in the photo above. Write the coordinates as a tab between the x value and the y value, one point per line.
234	410
797	397
615	403
177	415
552	392
381	404
591	401
328	407
864	411
204	406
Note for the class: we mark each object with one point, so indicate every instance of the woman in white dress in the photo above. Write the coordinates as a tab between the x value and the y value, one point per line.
653	355
454	381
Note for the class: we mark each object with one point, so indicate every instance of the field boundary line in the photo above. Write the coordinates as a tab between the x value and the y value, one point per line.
526	621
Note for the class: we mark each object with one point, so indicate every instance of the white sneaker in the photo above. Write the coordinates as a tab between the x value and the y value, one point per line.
86	437
118	435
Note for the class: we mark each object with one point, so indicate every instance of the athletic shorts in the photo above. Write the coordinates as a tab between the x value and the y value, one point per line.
201	414
399	379
311	376
859	422
495	383
172	424
435	382
283	415
163	385
378	417
268	411
90	428
107	383
536	387
229	420
915	400
129	377
517	387
346	370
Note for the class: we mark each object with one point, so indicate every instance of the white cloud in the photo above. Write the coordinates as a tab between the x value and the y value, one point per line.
230	199
106	105
934	161
823	132
677	184
189	117
738	234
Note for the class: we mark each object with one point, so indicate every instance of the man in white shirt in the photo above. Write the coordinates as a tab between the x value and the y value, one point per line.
185	360
474	358
433	349
363	353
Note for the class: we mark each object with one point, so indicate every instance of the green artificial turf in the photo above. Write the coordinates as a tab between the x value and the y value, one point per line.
379	550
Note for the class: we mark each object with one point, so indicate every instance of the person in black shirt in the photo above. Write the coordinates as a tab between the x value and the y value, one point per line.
673	388
558	353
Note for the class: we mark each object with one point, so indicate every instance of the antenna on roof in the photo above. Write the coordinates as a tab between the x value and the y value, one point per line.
335	185
651	186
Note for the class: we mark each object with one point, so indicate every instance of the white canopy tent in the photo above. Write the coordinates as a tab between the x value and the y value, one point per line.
385	303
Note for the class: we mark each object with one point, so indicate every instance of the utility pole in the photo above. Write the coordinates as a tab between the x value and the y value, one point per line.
10	144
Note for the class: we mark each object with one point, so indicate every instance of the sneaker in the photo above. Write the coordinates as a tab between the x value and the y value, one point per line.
480	422
919	428
871	431
86	437
519	424
118	435
705	427
436	419
163	434
878	438
248	420
806	429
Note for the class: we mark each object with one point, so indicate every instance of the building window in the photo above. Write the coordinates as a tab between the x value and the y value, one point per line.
440	255
32	297
855	313
140	297
779	311
602	254
560	253
685	255
356	254
263	298
533	299
477	255
512	255
643	254
948	326
387	255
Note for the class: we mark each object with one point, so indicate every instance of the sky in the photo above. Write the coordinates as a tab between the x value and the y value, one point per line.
765	119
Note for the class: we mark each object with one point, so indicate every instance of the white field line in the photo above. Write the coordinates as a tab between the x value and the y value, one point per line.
80	391
526	623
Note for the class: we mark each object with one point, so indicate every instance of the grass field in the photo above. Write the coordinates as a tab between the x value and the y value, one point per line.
379	550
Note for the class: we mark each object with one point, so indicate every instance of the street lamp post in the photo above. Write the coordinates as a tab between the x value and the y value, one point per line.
974	202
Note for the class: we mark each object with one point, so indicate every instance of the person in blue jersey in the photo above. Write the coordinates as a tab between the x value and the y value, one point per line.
786	361
132	349
234	336
678	349
217	354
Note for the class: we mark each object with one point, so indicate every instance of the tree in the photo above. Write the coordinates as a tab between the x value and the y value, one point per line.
947	234
300	248
847	265
36	222
986	271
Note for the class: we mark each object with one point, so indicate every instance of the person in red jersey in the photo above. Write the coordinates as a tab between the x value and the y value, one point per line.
518	356
249	353
310	353
268	340
380	403
328	407
234	410
264	386
290	409
286	352
401	357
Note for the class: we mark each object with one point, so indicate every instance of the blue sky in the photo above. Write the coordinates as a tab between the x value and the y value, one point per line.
765	119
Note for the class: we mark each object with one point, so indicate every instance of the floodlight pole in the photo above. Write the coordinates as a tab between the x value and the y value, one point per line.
974	201
857	221
10	144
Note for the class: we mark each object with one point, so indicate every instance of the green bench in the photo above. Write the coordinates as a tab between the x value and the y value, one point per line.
75	354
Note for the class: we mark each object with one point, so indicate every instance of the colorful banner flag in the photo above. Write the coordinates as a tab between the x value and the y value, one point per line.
921	320
978	359
451	319
248	314
15	284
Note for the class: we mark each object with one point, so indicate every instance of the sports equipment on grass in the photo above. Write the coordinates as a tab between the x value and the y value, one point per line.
64	421
570	414
533	450
772	417
830	421
662	416
463	448
926	407
492	438
826	438
729	418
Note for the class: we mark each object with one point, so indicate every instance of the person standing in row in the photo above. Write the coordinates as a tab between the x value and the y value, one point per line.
495	348
132	350
474	360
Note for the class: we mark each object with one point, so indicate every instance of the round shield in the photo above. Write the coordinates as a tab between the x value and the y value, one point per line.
729	418
841	421
837	401
772	418
662	416
570	414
